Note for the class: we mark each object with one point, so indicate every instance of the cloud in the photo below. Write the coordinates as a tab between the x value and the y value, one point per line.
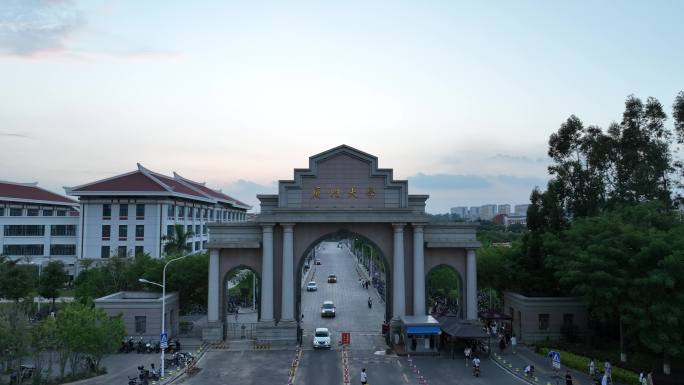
447	181
9	134
32	27
513	180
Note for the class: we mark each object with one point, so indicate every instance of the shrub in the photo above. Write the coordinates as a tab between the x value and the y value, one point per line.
581	363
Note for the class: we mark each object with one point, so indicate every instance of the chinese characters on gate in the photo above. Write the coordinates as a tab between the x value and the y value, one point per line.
336	192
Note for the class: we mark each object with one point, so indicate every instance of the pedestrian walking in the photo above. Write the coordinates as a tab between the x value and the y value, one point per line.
568	378
649	378
364	377
502	344
592	368
607	368
642	377
514	343
467	352
370	302
604	379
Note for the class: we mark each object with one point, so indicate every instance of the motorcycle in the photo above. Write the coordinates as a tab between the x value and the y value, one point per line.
140	347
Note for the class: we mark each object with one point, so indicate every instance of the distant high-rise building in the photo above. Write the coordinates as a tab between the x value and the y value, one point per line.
504	209
474	213
521	209
459	212
487	212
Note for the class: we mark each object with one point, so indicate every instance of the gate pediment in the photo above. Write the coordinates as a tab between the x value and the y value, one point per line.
343	178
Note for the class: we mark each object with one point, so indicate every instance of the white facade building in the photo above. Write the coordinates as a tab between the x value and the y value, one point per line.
474	214
487	212
37	225
521	209
504	209
132	213
460	212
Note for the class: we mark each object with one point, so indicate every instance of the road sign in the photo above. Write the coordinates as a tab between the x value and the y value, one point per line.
164	340
555	357
346	338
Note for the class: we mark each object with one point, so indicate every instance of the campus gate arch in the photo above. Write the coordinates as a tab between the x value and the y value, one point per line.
343	189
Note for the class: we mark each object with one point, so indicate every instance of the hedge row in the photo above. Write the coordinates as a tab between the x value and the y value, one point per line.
581	363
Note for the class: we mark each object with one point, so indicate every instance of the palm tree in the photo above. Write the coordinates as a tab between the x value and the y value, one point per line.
177	241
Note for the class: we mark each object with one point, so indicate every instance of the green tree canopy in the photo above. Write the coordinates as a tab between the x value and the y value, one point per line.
52	279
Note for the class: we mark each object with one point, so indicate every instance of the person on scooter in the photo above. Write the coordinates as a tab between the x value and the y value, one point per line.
476	366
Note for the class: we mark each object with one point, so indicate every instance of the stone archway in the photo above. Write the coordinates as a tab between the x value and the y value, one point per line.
344	233
459	287
343	188
243	324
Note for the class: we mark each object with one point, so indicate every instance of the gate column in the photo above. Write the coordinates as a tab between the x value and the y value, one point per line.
267	272
418	271
287	313
471	284
214	282
398	279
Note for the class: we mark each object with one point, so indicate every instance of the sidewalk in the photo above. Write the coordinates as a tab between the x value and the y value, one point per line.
544	372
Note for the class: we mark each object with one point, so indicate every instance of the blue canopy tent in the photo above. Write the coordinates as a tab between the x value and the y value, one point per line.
420	334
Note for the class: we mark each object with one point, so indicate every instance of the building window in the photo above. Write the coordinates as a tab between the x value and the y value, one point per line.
104	252
197	230
106	211
123	211
197	245
62	249
47	213
211	214
189	229
204	245
123	232
204	229
140	211
32	212
205	213
14	212
169	230
171	211
139	250
568	319
22	250
190	212
61	213
2	211
121	251
24	230
543	322
106	232
225	216
63	230
189	246
140	324
197	213
139	232
181	211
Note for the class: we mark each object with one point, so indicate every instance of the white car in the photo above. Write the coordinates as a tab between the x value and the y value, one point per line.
321	338
311	286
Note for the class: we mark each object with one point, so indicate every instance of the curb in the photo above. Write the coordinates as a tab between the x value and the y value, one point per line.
503	364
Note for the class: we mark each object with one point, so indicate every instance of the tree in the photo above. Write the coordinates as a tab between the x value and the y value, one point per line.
15	282
628	265
43	342
52	280
14	335
86	331
177	242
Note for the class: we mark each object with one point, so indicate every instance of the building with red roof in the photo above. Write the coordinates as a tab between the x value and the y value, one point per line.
37	225
133	213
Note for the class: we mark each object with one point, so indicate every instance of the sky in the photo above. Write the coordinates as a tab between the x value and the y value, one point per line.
458	97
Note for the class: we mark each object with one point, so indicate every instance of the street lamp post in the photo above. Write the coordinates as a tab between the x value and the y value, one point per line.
163	319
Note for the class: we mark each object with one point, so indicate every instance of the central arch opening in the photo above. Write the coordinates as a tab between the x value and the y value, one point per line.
344	281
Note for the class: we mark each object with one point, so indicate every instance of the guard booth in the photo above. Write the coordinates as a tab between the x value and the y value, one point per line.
420	334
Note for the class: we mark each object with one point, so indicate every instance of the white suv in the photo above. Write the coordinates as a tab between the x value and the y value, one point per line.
321	338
